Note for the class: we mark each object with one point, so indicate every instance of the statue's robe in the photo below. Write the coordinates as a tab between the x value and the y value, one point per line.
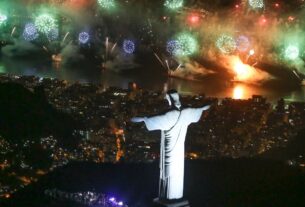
173	125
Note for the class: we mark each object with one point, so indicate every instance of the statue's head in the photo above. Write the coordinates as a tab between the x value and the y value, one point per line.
173	98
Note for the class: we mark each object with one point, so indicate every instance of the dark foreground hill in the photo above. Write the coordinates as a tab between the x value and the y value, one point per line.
294	149
222	183
26	115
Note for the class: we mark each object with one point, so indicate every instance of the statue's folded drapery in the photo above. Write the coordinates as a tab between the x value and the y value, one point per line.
173	125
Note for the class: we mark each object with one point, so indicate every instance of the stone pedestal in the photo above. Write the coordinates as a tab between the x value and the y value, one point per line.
171	203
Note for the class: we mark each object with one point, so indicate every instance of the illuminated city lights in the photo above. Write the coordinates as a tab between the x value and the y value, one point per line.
115	202
87	198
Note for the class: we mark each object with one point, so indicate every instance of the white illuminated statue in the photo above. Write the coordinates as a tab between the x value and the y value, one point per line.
173	125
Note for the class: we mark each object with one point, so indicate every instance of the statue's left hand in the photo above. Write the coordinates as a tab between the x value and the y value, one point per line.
137	119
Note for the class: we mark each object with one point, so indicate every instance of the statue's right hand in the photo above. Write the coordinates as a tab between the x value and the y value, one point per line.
206	107
137	119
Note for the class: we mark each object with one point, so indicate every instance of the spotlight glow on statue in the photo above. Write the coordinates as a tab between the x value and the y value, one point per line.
173	125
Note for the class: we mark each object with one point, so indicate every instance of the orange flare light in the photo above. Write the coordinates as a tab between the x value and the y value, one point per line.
242	71
193	19
238	92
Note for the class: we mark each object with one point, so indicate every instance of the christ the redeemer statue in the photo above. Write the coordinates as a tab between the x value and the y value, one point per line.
173	125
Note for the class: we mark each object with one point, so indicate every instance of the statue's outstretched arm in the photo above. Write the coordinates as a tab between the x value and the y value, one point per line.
137	119
194	114
205	107
157	122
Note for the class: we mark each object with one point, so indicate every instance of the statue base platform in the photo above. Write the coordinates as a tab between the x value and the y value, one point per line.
171	203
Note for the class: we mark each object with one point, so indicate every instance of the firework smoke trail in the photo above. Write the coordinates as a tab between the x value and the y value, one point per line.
45	48
13	31
66	35
178	66
296	74
159	59
113	47
167	64
107	45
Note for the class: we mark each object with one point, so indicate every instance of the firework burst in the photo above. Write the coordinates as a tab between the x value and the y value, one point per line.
173	4
45	23
226	44
186	45
30	32
3	19
106	4
53	34
242	43
172	46
292	52
129	46
256	4
83	37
